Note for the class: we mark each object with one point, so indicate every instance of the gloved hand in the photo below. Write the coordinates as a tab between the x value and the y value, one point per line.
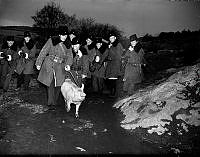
19	52
38	67
97	59
67	68
22	54
9	58
84	76
80	53
26	56
130	48
1	55
109	46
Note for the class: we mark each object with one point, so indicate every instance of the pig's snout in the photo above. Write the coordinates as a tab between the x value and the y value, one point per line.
83	95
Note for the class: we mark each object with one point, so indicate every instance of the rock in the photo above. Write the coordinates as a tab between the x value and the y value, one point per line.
154	107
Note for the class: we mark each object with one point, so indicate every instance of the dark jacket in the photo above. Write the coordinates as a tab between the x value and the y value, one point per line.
7	67
26	66
79	67
90	57
113	58
133	71
100	66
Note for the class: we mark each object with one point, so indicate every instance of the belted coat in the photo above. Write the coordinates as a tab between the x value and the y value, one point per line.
113	58
49	67
133	71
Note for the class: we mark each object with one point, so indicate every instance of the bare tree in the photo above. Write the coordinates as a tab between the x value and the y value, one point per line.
49	18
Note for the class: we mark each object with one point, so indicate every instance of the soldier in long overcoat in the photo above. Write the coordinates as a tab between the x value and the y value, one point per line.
113	59
90	48
54	59
133	70
98	66
8	60
25	64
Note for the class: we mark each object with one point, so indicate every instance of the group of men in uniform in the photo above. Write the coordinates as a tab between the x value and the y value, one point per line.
86	60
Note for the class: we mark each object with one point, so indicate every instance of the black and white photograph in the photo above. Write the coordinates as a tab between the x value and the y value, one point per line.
100	77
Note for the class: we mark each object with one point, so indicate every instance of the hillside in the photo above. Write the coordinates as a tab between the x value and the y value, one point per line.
16	31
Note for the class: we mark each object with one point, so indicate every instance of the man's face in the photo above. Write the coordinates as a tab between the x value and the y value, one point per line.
27	39
76	47
72	36
10	43
89	41
133	43
98	45
112	39
63	37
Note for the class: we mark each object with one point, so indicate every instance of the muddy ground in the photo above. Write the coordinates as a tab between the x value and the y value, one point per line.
26	130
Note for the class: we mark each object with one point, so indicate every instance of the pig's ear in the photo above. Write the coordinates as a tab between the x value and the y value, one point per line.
67	79
82	87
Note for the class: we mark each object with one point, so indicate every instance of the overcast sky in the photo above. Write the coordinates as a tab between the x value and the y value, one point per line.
131	16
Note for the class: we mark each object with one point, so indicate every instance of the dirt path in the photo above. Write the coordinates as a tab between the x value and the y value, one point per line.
26	129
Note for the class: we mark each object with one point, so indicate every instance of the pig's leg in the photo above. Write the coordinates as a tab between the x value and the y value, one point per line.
77	109
67	105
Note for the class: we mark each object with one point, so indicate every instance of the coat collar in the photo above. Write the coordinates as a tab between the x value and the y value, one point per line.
115	43
137	47
91	46
13	47
56	40
30	44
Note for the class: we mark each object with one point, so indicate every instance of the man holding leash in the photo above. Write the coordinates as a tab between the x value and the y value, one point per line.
54	59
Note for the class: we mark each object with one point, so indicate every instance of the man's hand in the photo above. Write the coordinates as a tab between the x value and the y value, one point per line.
80	53
38	67
19	52
97	59
109	46
130	48
1	56
26	55
84	76
67	68
22	54
9	58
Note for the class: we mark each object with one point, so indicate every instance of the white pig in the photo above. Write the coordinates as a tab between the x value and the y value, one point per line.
72	94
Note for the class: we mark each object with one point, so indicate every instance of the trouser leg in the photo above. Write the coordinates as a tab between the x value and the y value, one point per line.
109	85
20	80
131	89
27	78
1	71
114	87
100	84
56	93
95	84
50	94
8	78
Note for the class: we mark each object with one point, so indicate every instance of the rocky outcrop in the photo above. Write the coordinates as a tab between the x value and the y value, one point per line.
157	107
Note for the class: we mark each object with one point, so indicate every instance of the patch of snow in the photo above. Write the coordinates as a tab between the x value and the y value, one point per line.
143	109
